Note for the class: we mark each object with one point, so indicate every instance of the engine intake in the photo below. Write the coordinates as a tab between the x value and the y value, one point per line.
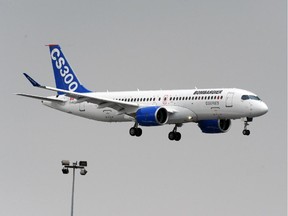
152	116
215	126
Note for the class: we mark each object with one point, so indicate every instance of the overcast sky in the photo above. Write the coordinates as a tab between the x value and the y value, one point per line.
125	45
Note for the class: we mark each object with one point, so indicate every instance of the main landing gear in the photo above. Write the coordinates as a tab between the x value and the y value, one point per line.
174	135
246	132
135	131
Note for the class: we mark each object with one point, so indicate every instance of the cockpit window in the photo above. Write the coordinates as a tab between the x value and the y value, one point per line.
252	97
245	97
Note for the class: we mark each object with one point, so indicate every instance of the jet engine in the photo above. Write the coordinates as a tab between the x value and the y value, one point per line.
152	116
215	126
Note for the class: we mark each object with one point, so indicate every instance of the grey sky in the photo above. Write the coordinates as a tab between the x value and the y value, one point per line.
125	45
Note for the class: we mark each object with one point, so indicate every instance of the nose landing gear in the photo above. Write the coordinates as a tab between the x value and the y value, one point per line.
246	132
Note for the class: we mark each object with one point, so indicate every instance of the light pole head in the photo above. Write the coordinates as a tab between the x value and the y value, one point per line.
65	162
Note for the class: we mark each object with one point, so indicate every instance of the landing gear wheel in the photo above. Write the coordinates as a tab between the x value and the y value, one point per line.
138	132
246	132
133	131
171	135
177	136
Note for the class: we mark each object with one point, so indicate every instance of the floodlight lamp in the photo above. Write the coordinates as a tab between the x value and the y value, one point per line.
65	170
83	163
83	171
65	162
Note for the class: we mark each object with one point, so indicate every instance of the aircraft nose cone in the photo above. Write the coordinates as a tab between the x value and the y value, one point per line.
262	109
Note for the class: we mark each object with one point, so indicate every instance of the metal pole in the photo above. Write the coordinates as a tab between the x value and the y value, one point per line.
73	183
65	170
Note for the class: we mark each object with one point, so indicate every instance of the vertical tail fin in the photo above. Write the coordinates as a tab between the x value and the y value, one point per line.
65	77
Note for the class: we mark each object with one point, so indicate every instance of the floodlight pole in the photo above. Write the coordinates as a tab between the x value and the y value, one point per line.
66	165
73	185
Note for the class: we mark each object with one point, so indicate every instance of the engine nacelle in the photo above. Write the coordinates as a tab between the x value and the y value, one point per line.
152	116
215	126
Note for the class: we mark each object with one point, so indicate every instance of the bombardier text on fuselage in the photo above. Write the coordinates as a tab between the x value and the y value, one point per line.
211	109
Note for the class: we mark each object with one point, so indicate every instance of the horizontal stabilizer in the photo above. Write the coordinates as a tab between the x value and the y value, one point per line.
42	98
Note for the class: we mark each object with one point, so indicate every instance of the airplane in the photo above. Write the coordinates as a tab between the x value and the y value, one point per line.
212	109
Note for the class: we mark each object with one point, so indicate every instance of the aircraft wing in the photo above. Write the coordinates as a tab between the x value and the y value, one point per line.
120	106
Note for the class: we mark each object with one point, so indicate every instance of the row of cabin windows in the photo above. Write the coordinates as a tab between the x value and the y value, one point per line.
197	98
171	98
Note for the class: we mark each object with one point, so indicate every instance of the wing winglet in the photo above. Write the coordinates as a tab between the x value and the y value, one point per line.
32	81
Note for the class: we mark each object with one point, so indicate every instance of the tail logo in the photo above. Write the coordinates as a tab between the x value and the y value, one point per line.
63	69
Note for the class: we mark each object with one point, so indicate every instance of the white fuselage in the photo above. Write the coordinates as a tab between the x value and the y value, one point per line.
188	105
